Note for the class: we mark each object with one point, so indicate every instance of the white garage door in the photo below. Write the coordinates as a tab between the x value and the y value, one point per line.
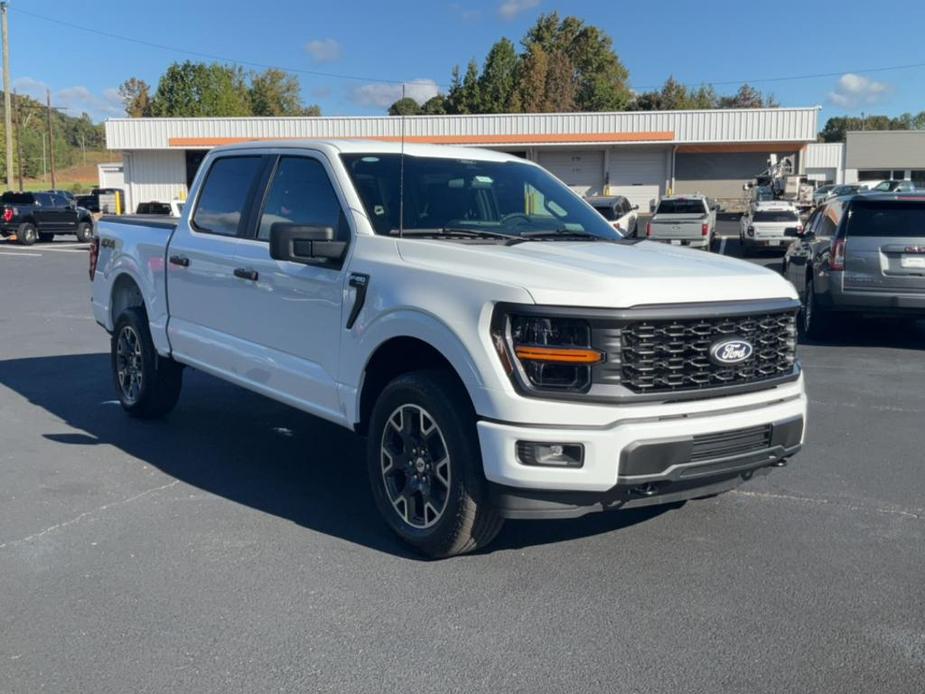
637	174
580	170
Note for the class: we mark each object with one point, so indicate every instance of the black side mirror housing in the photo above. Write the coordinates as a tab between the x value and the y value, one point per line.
792	232
306	244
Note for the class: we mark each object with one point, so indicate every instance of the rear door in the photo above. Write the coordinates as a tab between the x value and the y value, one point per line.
885	246
204	293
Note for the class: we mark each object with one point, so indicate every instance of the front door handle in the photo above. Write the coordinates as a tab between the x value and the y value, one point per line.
180	260
246	273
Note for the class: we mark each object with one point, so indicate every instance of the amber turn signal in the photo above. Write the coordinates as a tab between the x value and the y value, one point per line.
558	355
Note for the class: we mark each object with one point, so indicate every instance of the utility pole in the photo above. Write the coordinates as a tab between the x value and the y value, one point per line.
51	139
19	139
7	105
44	159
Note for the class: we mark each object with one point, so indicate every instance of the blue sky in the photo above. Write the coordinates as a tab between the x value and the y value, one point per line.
714	41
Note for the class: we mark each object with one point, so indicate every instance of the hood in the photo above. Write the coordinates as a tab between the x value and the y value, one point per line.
605	275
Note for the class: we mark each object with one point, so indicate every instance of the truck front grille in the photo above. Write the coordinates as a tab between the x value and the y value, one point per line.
664	356
727	443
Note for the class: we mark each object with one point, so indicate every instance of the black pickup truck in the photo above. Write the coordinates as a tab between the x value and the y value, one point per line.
32	217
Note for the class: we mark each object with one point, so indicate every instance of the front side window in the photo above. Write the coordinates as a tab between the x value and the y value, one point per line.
607	211
508	198
43	200
225	195
301	193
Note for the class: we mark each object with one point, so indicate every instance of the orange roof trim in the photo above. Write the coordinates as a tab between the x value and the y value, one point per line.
742	147
569	138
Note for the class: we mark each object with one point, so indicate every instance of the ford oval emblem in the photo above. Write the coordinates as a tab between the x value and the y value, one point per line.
732	351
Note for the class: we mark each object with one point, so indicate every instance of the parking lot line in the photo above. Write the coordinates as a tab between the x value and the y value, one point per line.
28	255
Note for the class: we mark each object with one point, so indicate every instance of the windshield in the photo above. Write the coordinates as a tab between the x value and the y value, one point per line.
776	216
494	197
680	206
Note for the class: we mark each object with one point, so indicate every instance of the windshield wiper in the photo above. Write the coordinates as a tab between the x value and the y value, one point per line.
557	234
449	232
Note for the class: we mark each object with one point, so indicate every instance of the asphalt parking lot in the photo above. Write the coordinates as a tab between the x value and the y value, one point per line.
234	547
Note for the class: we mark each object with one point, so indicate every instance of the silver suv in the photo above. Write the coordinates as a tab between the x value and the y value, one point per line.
862	254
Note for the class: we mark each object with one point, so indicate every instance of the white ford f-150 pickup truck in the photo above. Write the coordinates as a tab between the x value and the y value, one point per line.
504	351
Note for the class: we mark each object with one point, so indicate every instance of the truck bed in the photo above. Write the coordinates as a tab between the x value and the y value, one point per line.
157	221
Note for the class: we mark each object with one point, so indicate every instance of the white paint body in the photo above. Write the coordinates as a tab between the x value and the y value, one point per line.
284	335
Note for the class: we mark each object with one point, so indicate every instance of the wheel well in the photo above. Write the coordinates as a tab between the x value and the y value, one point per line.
391	359
125	293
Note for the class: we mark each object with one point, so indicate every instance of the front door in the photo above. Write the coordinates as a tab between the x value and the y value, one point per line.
295	310
65	213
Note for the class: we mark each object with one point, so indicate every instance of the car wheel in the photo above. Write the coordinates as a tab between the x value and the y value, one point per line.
425	466
814	321
46	237
148	385
84	232
27	234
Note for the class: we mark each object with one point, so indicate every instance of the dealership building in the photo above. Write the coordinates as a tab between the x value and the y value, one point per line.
642	155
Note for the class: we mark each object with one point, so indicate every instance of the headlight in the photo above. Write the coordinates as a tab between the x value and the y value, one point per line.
547	353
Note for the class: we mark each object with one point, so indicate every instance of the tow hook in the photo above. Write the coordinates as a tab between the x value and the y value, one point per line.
648	489
779	463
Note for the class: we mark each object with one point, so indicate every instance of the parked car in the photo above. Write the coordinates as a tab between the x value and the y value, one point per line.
765	225
822	193
89	202
860	255
845	190
32	217
619	211
683	220
504	351
893	186
172	209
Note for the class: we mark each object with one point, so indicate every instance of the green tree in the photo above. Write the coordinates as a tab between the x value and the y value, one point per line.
531	81
136	97
434	106
198	89
277	93
748	97
405	107
497	81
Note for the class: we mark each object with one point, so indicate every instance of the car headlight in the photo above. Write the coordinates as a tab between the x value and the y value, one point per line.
546	353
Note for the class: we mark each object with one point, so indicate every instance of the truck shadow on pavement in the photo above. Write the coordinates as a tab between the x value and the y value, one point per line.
250	450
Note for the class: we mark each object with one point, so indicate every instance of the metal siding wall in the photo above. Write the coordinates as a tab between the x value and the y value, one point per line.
154	175
748	125
893	149
719	175
824	155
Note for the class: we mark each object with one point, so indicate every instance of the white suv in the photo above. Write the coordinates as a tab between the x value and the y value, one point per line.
770	224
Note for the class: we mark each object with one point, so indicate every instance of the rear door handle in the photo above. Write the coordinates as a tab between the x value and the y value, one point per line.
246	273
180	260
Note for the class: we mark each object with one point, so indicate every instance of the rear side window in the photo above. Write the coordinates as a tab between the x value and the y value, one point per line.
607	212
225	195
776	216
887	219
301	193
681	206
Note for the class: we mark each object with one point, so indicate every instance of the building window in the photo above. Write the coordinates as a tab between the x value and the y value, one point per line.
873	175
899	174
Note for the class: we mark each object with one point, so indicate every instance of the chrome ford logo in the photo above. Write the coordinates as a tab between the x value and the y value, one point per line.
731	351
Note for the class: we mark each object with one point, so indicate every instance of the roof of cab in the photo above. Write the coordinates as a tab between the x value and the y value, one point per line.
337	146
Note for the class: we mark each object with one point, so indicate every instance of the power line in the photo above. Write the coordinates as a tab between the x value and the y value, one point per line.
212	56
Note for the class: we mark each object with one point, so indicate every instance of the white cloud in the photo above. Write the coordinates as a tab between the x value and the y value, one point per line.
511	8
466	14
384	95
853	90
75	100
324	50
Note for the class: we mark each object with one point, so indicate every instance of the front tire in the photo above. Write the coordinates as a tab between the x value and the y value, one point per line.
148	385
814	321
425	466
27	234
84	232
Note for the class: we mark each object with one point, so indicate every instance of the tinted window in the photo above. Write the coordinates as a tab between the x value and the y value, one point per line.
60	201
607	212
507	197
776	216
301	193
229	185
18	198
887	218
680	206
44	199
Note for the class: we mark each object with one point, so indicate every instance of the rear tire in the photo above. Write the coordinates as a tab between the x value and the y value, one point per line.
27	234
148	385
84	232
814	321
425	466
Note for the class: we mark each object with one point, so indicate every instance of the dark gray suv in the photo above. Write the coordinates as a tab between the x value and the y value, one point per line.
862	254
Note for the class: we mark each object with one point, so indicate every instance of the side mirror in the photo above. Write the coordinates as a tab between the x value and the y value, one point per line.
300	243
651	205
635	207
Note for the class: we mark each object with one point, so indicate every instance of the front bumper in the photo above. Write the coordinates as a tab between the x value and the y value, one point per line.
648	450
